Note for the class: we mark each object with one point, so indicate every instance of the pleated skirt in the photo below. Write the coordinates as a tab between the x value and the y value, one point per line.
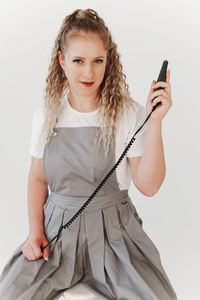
105	248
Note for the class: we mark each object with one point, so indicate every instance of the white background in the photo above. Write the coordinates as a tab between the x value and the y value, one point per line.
147	32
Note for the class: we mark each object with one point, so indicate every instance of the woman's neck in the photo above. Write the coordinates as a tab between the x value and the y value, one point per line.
83	103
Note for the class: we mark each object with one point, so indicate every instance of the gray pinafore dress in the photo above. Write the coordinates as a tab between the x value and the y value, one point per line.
105	248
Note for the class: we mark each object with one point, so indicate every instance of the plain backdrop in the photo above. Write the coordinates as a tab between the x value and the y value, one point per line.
147	32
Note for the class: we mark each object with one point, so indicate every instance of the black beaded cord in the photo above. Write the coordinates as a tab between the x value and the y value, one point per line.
102	182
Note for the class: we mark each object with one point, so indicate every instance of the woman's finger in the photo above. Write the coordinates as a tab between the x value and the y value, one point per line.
29	253
36	250
158	93
164	101
168	76
165	85
158	99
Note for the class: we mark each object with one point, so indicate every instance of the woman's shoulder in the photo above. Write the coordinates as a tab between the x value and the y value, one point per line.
134	113
39	111
38	117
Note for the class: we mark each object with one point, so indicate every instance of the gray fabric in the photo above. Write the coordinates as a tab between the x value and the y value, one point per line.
105	248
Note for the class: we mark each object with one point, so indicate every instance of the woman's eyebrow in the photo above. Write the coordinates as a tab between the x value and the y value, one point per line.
83	57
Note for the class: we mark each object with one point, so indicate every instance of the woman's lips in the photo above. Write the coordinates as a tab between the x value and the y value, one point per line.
87	83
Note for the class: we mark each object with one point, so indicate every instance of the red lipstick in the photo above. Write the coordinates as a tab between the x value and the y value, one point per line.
88	84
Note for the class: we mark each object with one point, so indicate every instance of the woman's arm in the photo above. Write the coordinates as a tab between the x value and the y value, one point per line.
148	171
37	195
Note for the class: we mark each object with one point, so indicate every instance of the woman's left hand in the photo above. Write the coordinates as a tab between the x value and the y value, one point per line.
163	96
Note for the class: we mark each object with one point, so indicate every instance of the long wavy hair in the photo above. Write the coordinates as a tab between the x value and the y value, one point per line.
113	92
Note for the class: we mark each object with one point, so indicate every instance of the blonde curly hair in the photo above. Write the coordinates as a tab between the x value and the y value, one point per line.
113	92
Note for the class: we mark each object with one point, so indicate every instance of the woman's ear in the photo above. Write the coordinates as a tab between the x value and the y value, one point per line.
60	58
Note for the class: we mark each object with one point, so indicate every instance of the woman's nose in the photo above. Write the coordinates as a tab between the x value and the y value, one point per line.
88	71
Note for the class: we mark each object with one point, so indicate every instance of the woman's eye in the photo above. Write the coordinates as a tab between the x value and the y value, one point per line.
99	60
78	60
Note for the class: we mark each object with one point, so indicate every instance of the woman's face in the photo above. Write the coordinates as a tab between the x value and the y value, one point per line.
85	61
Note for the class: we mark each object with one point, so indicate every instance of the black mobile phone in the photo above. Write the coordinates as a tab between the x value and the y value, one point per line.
161	77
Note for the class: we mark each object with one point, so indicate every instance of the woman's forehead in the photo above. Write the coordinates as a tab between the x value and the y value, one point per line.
86	46
86	38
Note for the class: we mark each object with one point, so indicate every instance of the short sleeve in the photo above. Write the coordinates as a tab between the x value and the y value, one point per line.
136	119
36	149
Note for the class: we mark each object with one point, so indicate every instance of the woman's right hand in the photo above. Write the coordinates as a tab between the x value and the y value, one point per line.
32	248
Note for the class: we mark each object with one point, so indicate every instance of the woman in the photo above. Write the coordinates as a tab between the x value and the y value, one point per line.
78	133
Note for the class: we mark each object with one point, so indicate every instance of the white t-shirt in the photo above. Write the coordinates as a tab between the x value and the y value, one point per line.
69	117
